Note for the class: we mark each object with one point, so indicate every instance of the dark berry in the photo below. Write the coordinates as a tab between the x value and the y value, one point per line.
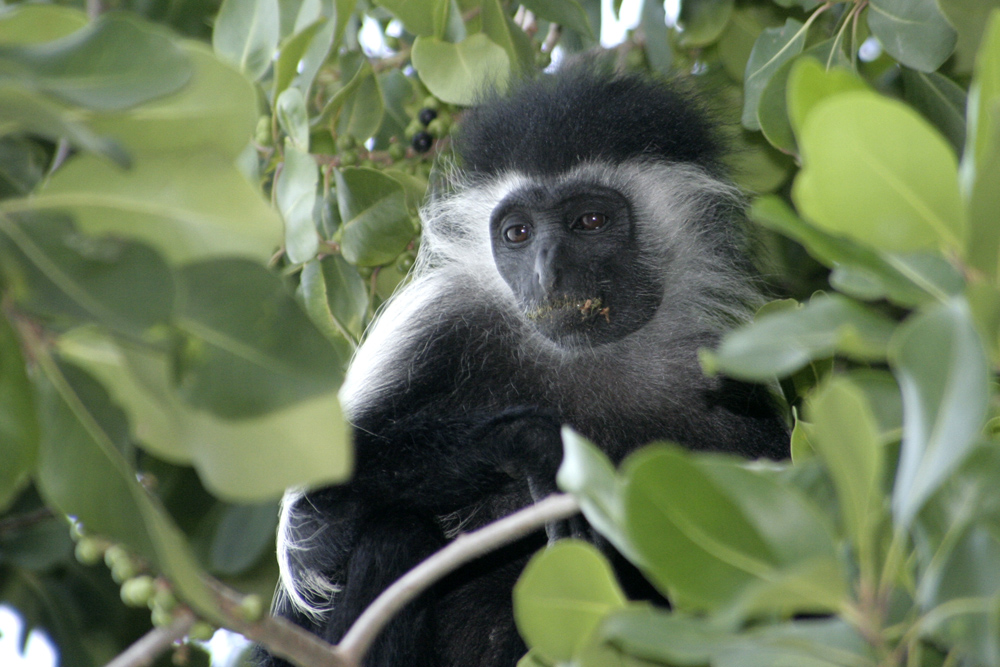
426	116
422	142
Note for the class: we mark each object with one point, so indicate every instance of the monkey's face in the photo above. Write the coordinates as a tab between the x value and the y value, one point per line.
571	256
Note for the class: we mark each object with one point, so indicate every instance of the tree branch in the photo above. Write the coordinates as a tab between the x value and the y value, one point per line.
463	549
144	651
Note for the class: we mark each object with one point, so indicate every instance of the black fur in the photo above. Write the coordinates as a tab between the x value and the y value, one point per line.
552	124
457	398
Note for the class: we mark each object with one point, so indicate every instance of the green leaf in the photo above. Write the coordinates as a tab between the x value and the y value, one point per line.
810	82
670	637
502	30
773	48
702	23
567	13
846	436
316	53
60	273
562	596
940	100
184	205
908	280
292	52
18	419
341	295
654	29
113	63
33	23
942	371
243	535
589	475
714	535
876	172
458	73
25	113
981	160
376	224
914	32
244	460
293	117
782	342
417	15
252	350
82	473
828	642
216	111
246	34
295	193
970	18
362	111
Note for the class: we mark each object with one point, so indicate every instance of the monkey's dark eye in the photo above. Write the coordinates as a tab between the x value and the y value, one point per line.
517	233
590	221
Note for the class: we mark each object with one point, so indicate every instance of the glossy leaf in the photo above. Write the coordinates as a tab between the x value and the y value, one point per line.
316	52
376	225
243	460
27	113
457	73
715	536
940	100
417	16
63	274
773	48
344	294
33	23
914	32
567	13
701	23
810	82
246	34
258	353
18	420
215	111
113	63
562	596
981	160
502	30
589	475
908	280
670	637
827	642
969	18
362	111
876	172
290	108
185	206
845	434
780	343
295	193
82	473
941	368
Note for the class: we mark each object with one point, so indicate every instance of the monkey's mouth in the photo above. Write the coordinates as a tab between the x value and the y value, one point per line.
567	310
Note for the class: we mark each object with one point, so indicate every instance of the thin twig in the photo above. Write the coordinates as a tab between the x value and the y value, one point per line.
463	549
149	647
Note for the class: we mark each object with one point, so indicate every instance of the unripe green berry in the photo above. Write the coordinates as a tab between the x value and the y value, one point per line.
431	102
365	271
348	158
345	142
251	608
412	129
138	591
405	262
369	163
437	128
161	617
201	631
397	151
89	551
263	134
114	554
163	599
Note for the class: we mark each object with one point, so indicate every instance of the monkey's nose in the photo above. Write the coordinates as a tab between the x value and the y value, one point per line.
545	269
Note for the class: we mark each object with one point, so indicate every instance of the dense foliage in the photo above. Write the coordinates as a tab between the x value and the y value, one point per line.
171	342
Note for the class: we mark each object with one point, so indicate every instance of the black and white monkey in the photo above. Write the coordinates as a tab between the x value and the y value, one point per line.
587	246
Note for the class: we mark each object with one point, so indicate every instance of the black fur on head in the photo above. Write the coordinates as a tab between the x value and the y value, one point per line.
589	112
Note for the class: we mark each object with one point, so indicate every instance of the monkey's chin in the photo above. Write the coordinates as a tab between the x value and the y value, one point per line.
570	320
